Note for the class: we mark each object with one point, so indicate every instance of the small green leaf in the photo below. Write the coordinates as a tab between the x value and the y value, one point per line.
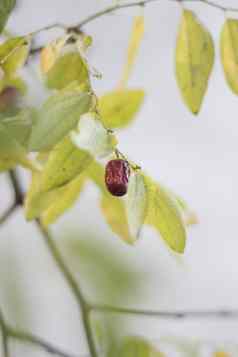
136	203
58	116
19	126
65	162
229	53
13	54
119	108
37	201
9	146
114	212
7	164
164	215
6	6
194	60
65	199
93	137
68	68
138	347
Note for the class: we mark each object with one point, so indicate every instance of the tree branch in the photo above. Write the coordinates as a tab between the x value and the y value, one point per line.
56	255
202	314
3	327
23	336
4	217
114	8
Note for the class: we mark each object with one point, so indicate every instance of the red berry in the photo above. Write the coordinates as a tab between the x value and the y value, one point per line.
117	177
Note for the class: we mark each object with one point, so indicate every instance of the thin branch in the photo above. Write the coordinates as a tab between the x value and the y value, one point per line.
72	283
224	314
23	336
117	7
4	217
5	336
18	192
142	3
61	264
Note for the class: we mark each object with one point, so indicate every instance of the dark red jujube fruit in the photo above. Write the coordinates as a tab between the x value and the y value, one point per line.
117	177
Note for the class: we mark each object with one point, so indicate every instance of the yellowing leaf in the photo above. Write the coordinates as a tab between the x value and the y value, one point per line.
194	60
93	137
65	199
68	68
7	164
6	6
37	201
221	354
136	203
13	54
50	53
229	53
65	162
114	212
137	33
119	108
164	215
58	116
138	347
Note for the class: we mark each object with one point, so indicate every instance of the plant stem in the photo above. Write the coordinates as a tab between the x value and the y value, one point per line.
168	314
8	213
74	286
35	340
114	8
3	327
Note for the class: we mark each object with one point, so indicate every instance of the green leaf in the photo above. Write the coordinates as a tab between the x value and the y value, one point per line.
19	126
37	201
114	212
119	108
194	60
65	199
58	116
7	164
136	203
229	53
65	162
67	69
13	54
9	146
6	6
138	347
164	215
93	137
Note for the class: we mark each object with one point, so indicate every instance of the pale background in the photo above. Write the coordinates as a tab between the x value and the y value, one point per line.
195	156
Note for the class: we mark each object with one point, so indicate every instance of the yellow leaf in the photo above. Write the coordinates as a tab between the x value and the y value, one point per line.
229	53
65	162
164	215
114	212
65	199
7	164
68	68
137	346
37	201
13	54
138	28
119	108
194	60
221	354
50	53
